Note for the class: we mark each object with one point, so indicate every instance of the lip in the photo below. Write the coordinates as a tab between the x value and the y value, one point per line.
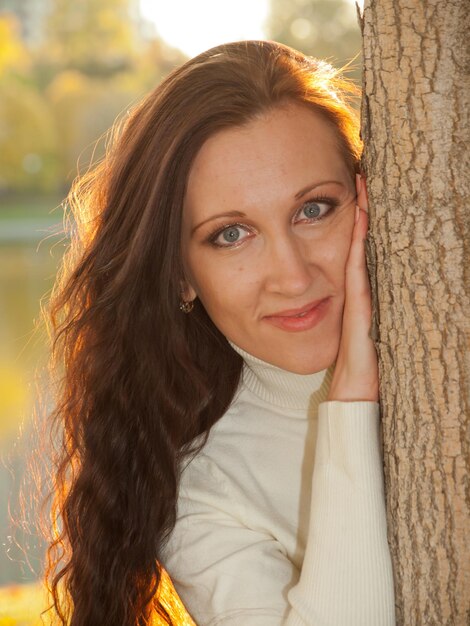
287	320
292	312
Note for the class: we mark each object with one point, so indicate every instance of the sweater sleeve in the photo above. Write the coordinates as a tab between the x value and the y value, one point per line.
228	574
346	576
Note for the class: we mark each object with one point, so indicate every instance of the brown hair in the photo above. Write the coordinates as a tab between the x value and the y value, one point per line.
140	382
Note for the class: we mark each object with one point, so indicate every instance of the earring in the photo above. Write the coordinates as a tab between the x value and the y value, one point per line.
186	307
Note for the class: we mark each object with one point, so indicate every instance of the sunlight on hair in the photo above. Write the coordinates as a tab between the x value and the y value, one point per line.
325	79
22	604
172	603
196	26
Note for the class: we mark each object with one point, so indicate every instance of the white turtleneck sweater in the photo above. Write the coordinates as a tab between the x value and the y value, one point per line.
281	516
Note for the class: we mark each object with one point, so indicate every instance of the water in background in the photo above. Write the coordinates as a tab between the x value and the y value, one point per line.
29	258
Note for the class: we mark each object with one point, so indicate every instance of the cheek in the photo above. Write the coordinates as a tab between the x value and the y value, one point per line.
338	247
331	254
224	289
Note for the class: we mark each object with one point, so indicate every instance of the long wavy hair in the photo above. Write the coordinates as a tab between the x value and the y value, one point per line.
138	384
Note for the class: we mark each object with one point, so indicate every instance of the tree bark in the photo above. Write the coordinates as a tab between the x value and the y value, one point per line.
415	125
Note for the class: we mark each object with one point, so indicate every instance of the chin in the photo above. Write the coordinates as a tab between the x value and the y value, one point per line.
298	366
305	364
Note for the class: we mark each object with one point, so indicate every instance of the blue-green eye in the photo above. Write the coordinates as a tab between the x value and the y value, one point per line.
311	209
229	235
316	210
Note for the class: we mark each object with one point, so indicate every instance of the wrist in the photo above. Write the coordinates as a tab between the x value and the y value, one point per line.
343	394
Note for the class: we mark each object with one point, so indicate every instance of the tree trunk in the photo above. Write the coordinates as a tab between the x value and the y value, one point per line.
415	125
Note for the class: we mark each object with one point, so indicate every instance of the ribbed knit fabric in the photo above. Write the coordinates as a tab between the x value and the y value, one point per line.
281	388
281	517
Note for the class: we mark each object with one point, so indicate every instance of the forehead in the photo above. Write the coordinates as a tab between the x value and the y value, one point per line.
286	148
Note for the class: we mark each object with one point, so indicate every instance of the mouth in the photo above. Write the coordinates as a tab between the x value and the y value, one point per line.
300	312
304	318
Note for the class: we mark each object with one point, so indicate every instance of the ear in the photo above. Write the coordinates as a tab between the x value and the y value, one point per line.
361	191
187	291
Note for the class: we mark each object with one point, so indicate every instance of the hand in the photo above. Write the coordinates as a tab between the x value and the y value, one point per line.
356	375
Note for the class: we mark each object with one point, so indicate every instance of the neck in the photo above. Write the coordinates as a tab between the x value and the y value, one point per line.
281	387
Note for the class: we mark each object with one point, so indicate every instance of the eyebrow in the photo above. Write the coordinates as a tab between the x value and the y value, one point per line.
214	217
305	190
297	196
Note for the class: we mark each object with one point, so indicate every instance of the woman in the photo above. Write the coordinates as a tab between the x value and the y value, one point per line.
220	391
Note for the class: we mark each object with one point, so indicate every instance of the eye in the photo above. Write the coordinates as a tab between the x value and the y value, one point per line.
228	235
316	210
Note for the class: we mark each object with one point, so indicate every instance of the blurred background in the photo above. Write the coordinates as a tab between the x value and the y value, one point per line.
68	68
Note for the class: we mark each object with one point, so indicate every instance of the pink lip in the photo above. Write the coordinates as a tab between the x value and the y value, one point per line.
287	320
291	312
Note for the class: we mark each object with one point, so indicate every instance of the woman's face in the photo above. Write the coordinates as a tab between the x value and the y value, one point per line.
267	226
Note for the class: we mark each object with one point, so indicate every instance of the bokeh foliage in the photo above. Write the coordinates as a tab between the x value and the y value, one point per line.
61	94
327	29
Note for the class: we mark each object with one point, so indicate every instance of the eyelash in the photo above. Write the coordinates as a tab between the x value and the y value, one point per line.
212	237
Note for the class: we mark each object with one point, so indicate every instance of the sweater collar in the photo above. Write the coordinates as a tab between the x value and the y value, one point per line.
281	387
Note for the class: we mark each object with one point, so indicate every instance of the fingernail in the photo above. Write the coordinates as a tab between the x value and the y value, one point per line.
357	214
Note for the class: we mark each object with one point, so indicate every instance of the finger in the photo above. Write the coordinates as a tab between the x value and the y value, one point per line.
357	279
357	249
361	190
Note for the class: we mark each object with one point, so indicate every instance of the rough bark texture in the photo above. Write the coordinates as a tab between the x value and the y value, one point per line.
415	124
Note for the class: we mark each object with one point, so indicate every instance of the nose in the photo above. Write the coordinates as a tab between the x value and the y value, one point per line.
287	268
